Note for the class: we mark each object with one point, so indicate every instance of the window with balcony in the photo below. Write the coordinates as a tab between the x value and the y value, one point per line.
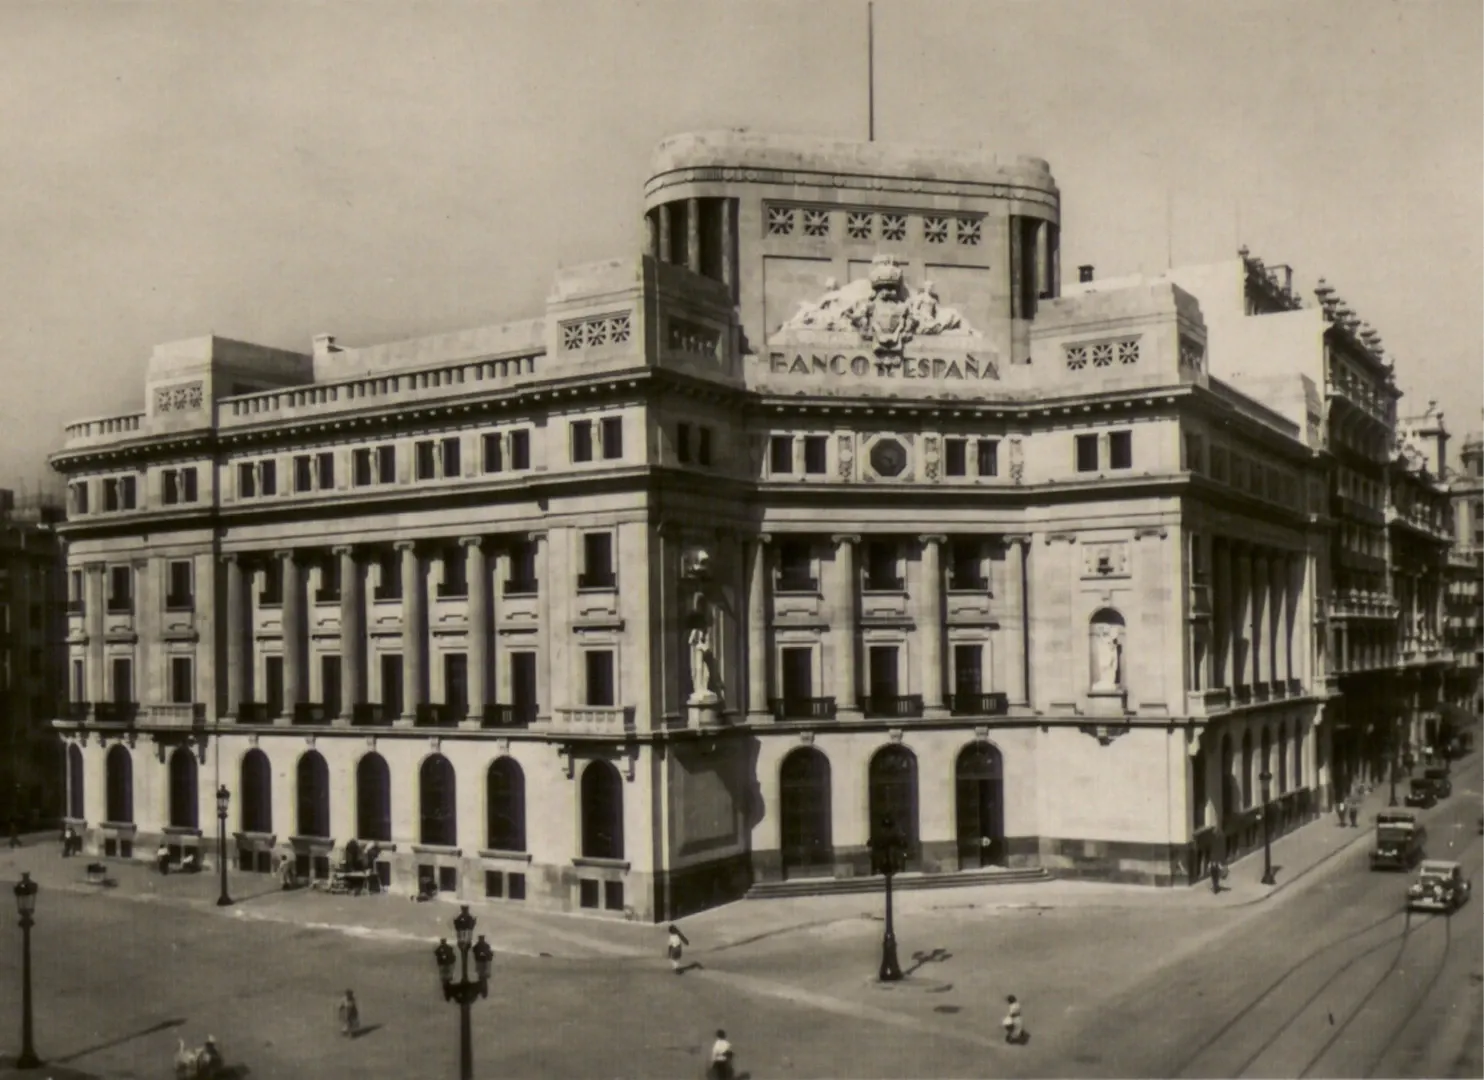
582	440
796	671
121	672
494	452
781	455
968	678
682	443
120	589
881	567
329	682
79	497
520	450
1087	453
303	473
955	457
179	594
360	467
611	432
182	681
523	693
1121	449
271	594
455	581
988	453
816	454
324	467
272	686
966	566
422	455
599	683
522	569
881	663
449	454
597	561
703	446
796	567
386	464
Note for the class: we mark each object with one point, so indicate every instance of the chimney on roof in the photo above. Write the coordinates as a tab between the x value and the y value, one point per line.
324	345
1084	272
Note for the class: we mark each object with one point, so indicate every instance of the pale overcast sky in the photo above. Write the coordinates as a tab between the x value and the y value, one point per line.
268	171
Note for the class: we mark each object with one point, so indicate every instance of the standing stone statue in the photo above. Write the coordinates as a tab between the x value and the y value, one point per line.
702	656
1107	656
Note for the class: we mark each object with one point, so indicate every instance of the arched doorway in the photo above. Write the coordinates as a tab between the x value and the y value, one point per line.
505	805
438	804
314	795
373	799
602	812
893	791
119	767
255	793
76	806
184	806
980	796
804	820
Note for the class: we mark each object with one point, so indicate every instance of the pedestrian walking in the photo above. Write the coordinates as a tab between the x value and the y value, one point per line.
1354	812
349	1015
1217	872
1340	812
67	842
162	858
675	947
721	1058
1014	1027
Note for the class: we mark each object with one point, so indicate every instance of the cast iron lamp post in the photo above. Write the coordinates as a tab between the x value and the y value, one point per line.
464	991
1267	830
888	858
223	796
25	902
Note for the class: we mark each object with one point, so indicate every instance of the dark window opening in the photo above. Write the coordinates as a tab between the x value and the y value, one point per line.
520	449
494	453
966	569
303	473
989	457
955	457
1121	450
178	594
268	477
781	454
360	462
386	464
598	665
703	446
422	456
794	567
881	567
451	457
325	469
682	443
1087	453
602	812
612	435
597	561
582	440
816	452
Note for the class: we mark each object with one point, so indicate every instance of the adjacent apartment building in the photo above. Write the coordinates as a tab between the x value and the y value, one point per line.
826	507
1464	629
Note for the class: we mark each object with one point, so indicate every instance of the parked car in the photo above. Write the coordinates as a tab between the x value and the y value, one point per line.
1442	786
1421	794
1440	886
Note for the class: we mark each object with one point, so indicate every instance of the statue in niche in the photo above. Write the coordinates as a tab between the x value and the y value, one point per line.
1107	651
705	680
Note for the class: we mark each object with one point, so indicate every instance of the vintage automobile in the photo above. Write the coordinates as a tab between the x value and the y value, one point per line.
1421	794
1401	841
1440	886
1438	779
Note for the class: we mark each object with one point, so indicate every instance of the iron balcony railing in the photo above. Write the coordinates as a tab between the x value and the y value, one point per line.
902	706
115	712
312	712
979	704
437	714
808	708
508	716
373	714
252	712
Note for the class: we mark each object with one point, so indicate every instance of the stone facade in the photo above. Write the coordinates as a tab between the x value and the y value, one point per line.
827	506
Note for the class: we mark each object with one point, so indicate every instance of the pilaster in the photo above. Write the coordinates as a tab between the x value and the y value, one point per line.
757	627
478	576
293	644
1016	618
930	623
846	628
414	622
352	634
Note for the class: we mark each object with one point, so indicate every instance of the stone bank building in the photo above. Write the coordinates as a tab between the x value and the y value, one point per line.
827	505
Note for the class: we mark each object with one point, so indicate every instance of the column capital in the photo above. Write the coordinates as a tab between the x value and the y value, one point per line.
284	553
230	557
762	538
845	538
932	538
471	541
343	549
95	566
1020	539
536	536
404	545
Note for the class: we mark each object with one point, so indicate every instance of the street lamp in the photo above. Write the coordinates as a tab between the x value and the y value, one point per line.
1267	831
223	796
889	857
25	902
464	991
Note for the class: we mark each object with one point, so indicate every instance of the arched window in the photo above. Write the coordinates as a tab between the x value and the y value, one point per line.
804	814
1283	758
119	767
602	811
1231	791
1105	634
893	791
979	789
76	807
373	799
314	795
1249	774
184	806
255	793
440	819
505	805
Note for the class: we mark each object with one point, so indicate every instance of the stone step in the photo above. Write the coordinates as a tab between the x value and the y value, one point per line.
823	886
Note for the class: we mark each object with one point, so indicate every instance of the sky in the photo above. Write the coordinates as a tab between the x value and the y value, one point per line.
379	171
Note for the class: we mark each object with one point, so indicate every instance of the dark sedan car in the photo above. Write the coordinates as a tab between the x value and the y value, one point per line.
1422	795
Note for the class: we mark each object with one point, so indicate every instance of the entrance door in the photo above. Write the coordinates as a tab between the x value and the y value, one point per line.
797	674
883	674
981	807
523	686
804	815
967	677
123	680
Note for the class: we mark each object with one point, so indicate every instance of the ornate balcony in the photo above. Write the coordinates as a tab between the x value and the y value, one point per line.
1205	702
508	716
981	704
115	712
373	714
809	708
893	706
593	720
176	714
437	714
313	712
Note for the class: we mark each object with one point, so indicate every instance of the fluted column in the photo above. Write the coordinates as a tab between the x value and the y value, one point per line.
1222	670
352	634
846	625
293	628
94	599
414	621
1017	618
237	656
930	620
693	235
757	629
477	574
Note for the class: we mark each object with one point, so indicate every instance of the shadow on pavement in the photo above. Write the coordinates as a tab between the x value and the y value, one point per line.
164	1025
362	1032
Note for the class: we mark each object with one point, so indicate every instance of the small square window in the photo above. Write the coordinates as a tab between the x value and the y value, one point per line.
703	446
955	457
448	879
515	886
1087	453
613	895
682	443
988	452
1121	450
611	428
582	440
520	449
781	454
816	450
494	884
587	893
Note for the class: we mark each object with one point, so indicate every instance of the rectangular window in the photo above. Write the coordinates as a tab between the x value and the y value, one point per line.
494	885
1194	459
324	463
781	455
1121	449
882	671
955	457
247	481
303	473
110	494
797	671
612	432
386	464
272	594
682	443
881	567
329	581
120	589
391	681
448	879
455	576
1218	464
79	682
795	567
520	449
126	493
516	887
76	594
80	497
188	485
613	895
816	450
456	683
703	446
522	569
599	672
122	670
587	893
968	674
170	487
329	683
582	440
966	570
273	686
389	576
988	452
268	477
494	452
360	466
597	561
451	465
179	595
1087	453
182	685
523	701
422	455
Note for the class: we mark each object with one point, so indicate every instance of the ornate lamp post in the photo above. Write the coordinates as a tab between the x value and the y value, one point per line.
223	796
1267	830
25	902
464	991
889	857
